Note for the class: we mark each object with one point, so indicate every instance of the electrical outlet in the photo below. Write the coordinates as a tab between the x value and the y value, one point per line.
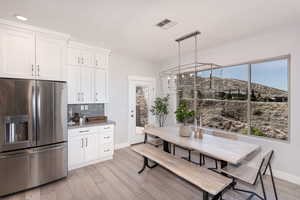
82	107
86	107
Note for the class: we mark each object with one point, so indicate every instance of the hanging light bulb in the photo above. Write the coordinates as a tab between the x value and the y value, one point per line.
191	74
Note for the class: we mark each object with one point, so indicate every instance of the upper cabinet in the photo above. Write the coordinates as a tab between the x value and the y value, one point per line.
17	49
101	60
32	53
88	72
50	58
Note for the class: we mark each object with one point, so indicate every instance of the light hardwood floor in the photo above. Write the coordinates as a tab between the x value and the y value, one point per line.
118	180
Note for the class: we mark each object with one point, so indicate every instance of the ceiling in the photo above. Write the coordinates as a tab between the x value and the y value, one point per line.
128	26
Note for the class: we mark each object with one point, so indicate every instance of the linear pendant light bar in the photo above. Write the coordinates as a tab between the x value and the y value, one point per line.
193	34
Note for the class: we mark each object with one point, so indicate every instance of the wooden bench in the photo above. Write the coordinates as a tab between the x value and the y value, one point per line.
208	181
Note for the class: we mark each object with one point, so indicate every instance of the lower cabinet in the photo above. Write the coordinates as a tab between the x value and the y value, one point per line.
90	145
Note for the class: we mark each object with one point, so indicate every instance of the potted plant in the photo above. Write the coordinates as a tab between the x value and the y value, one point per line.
161	109
183	114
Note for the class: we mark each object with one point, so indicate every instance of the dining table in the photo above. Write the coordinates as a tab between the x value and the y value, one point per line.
222	149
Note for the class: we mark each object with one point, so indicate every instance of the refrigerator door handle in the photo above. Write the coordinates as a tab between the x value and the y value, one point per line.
38	111
49	148
33	114
18	154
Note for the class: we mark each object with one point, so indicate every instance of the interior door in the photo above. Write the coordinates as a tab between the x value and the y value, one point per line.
74	85
141	95
49	58
100	86
17	54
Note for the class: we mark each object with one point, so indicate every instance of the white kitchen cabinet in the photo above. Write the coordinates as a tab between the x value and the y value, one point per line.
80	57
81	85
74	57
88	58
101	86
74	92
17	49
50	54
90	145
87	85
30	54
76	154
101	60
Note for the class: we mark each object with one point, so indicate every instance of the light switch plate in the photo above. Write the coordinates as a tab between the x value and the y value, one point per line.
86	107
82	107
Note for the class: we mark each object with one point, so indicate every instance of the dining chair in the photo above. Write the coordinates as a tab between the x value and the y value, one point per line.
250	175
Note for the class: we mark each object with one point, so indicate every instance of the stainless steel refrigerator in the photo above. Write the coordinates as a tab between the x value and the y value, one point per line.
33	133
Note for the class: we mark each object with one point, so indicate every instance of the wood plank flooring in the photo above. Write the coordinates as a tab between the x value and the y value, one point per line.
117	179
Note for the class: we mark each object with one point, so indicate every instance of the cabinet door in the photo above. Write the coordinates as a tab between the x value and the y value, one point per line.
91	147
88	58
17	54
74	76
101	61
87	85
100	86
50	58
76	154
74	57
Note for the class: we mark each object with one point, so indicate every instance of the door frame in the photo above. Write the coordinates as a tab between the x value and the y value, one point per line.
136	80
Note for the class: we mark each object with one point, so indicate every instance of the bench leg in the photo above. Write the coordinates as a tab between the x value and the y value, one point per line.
146	164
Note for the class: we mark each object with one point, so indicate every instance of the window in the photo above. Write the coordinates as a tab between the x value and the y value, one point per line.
251	98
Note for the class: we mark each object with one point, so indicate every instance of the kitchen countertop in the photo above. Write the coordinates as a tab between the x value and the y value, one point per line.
91	124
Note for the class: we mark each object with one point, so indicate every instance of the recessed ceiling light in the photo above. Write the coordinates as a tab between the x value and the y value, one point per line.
19	17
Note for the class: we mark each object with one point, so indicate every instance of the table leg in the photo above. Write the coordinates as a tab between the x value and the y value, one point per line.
223	164
205	195
166	146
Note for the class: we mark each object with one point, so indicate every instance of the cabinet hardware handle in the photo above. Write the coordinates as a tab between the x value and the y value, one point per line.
106	150
78	94
107	137
81	142
96	62
78	60
85	131
106	127
32	70
38	69
86	142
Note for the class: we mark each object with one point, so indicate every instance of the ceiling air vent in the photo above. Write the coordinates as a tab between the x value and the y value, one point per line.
166	24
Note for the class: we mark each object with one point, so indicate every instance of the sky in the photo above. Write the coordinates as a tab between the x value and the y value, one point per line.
272	73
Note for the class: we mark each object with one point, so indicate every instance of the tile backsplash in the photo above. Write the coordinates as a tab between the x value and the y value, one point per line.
91	111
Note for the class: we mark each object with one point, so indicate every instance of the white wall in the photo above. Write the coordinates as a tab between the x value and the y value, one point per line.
120	68
269	44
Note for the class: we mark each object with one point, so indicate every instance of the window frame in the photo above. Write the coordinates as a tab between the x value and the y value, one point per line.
249	64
